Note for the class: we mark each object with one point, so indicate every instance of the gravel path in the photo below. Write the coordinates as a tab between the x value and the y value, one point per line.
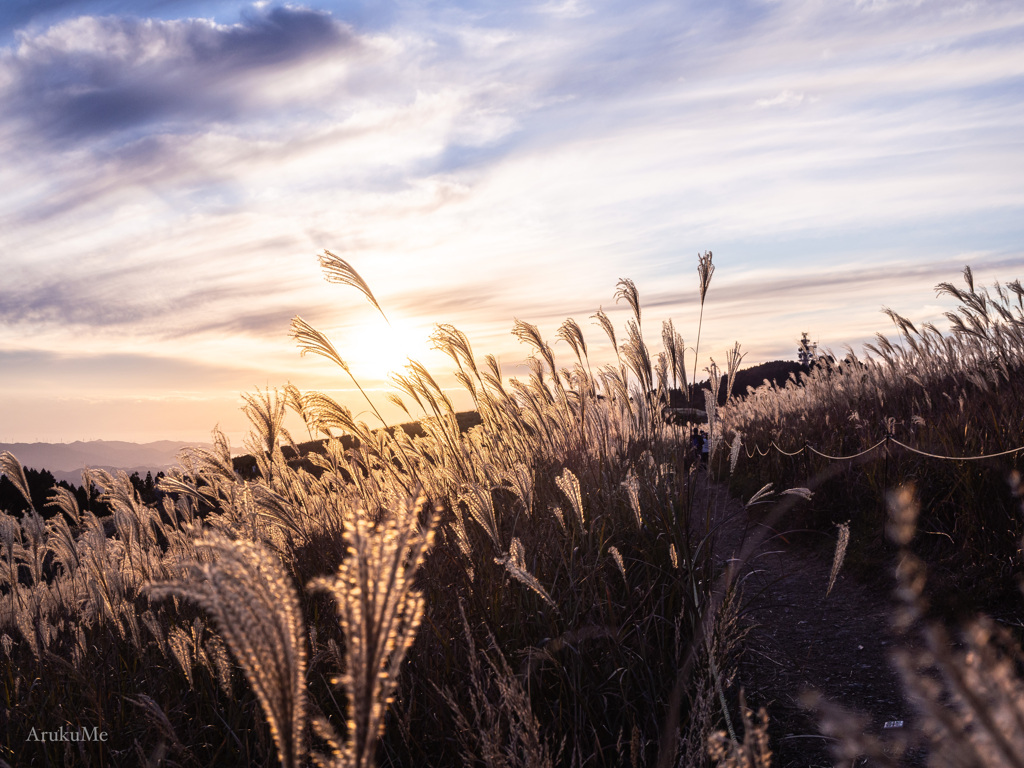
800	639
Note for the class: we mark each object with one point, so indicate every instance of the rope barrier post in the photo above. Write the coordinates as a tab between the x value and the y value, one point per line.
807	470
885	482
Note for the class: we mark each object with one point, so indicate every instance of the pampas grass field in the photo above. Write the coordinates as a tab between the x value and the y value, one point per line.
540	589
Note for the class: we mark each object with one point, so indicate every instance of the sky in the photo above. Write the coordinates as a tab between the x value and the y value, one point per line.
170	169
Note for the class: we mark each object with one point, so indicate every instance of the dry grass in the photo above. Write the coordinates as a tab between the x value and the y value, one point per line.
562	542
955	394
958	393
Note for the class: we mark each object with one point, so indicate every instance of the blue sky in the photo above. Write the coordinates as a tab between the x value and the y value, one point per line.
169	171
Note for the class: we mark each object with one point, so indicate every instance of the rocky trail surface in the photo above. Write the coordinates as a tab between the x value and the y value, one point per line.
801	640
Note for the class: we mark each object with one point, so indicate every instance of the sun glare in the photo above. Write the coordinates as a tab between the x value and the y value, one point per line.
376	349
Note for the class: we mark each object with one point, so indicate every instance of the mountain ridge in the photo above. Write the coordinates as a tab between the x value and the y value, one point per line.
65	461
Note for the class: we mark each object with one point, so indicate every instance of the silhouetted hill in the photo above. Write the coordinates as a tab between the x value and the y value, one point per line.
777	372
246	465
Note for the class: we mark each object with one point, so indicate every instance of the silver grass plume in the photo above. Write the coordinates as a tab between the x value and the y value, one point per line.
156	715
34	528
379	613
11	467
559	515
760	495
60	540
804	493
734	451
733	358
605	322
13	552
337	270
454	343
515	564
626	289
217	463
632	487
326	413
66	501
181	649
837	560
571	333
714	428
714	379
661	370
704	271
502	733
480	503
249	594
528	333
398	402
310	340
637	356
520	479
617	557
675	352
493	373
570	486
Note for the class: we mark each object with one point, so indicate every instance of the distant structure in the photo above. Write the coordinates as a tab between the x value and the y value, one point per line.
807	352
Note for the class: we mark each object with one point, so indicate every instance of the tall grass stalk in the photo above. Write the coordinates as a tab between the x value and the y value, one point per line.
562	571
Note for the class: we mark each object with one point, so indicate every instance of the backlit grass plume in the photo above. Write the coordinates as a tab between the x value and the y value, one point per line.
312	341
251	597
705	268
379	613
12	469
337	270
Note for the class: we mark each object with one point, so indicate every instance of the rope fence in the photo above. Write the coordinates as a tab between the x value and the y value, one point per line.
884	441
866	451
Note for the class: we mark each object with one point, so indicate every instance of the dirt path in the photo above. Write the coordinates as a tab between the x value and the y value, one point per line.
801	640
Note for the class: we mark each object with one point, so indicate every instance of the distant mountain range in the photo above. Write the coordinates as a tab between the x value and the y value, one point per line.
66	460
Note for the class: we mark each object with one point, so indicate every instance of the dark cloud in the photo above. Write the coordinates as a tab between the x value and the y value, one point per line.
115	76
18	14
15	14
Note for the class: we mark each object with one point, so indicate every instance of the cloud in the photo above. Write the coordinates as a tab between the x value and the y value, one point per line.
37	371
113	77
168	181
786	98
141	299
19	15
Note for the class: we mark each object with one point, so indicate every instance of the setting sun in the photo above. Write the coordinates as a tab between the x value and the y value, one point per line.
376	349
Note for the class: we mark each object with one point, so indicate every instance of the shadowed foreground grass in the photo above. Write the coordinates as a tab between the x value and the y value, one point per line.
535	590
538	589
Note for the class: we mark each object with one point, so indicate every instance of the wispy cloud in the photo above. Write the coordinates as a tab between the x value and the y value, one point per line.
167	177
786	98
36	371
